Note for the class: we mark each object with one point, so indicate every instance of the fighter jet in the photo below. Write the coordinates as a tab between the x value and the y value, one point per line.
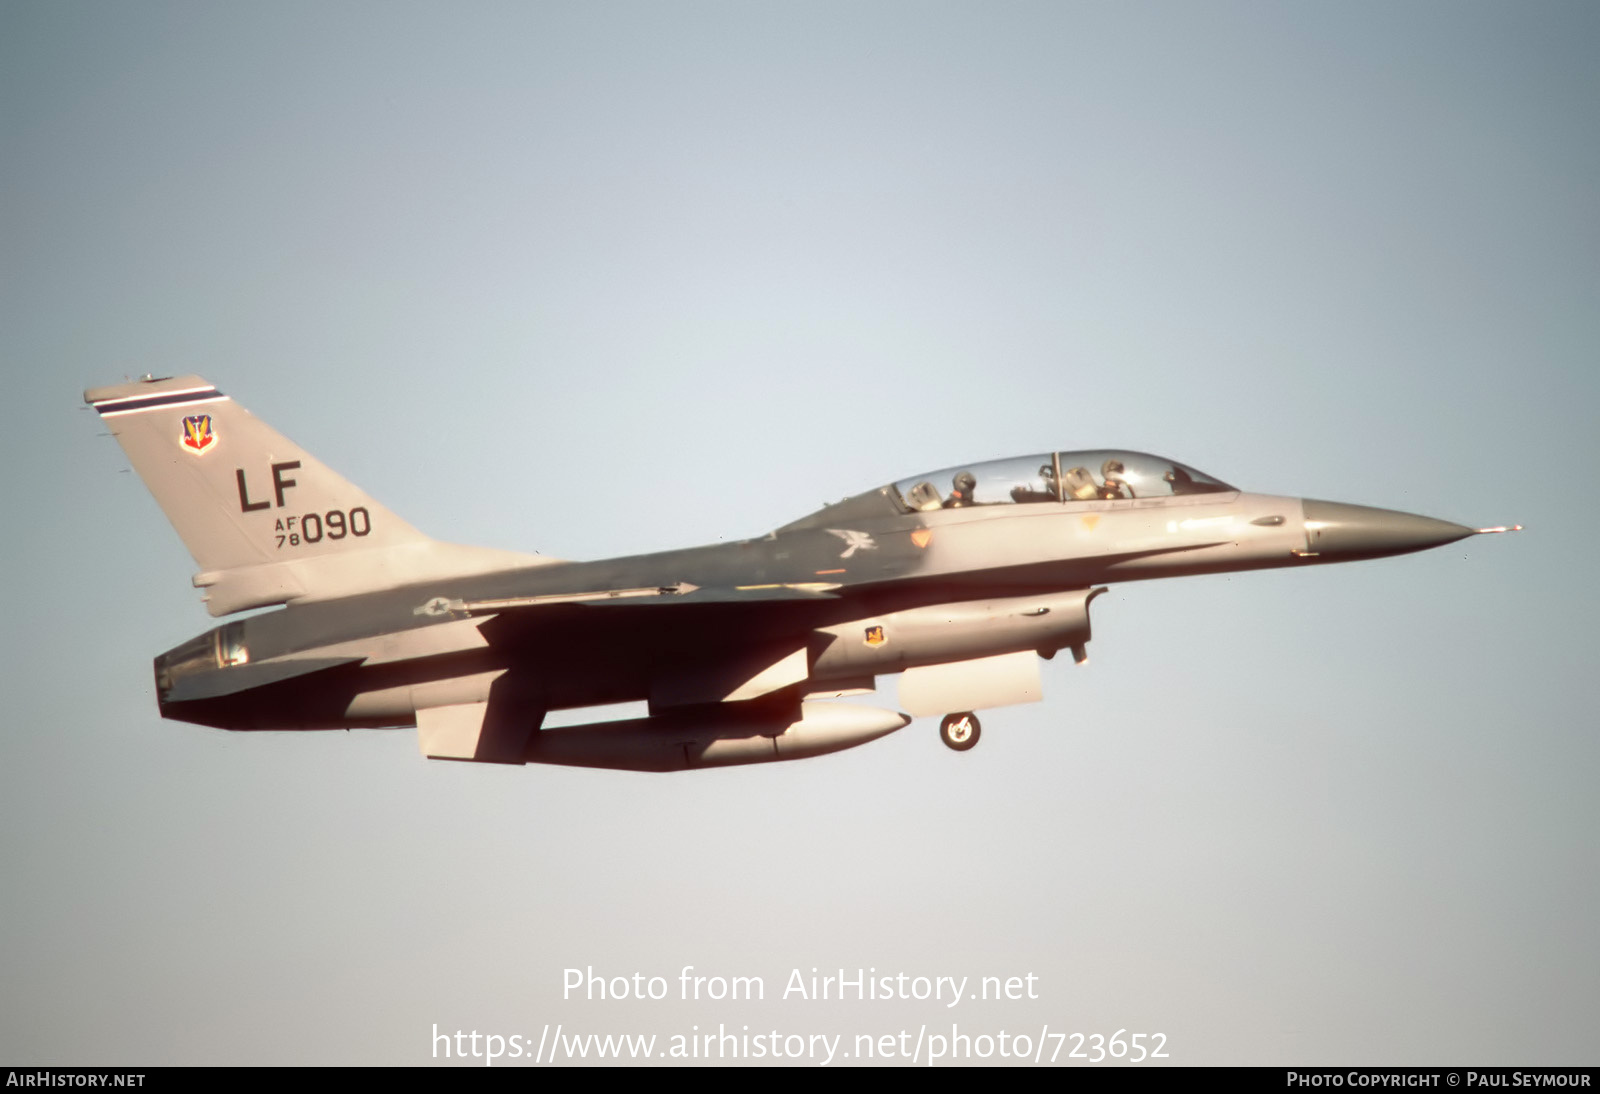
959	580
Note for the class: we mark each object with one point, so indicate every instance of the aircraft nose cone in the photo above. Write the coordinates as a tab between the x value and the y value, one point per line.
1338	531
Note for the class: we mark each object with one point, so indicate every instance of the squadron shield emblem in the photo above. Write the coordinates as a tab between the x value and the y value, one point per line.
198	436
874	636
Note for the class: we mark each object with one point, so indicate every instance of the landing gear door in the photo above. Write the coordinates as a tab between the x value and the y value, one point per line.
979	684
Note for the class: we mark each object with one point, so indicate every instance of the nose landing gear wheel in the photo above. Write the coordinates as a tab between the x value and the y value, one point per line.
960	731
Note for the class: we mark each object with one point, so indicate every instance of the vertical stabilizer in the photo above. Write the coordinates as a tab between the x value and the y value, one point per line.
266	521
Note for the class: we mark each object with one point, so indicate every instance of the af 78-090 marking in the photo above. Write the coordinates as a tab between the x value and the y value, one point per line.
960	580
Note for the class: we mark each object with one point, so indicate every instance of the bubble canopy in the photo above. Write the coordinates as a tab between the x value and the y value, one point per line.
1093	475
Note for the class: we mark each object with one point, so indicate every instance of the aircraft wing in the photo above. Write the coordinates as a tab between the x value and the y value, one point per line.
643	596
747	594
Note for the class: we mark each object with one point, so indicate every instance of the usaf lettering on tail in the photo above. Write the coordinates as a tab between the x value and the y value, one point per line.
960	581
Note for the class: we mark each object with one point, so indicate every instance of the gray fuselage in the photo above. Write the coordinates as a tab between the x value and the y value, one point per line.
554	635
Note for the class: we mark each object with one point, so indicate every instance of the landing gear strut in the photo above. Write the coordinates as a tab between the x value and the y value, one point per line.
960	731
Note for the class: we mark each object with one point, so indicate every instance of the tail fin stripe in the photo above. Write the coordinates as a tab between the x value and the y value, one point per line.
110	407
139	397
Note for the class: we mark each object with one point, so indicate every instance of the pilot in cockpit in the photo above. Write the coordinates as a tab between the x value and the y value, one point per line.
1115	486
964	483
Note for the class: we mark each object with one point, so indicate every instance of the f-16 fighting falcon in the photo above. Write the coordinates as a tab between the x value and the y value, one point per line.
960	580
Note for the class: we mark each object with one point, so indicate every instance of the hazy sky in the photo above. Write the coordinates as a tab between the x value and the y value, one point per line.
593	279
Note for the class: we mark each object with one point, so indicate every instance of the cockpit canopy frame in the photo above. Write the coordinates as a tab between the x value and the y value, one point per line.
1087	475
